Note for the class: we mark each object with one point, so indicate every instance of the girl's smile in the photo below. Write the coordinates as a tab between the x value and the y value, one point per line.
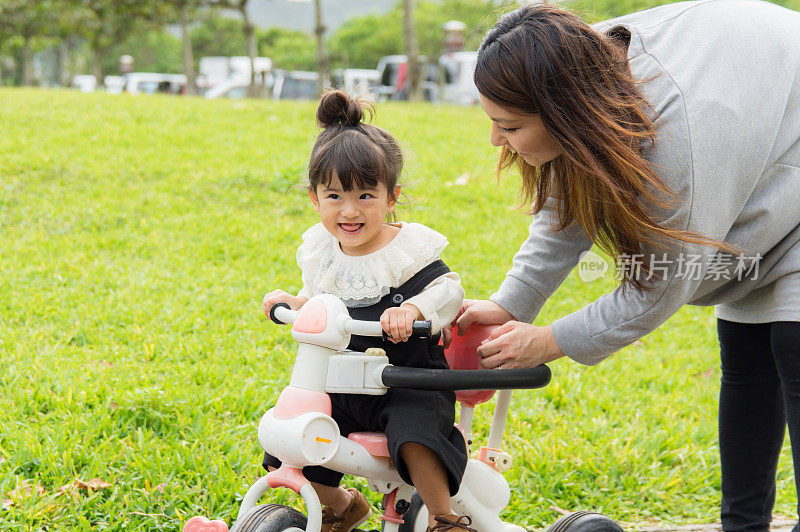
351	228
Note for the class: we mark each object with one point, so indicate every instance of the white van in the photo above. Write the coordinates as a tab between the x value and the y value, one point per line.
114	84
457	75
295	85
152	83
360	81
218	69
84	83
393	79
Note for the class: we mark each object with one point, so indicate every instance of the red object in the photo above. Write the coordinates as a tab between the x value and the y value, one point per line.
373	442
462	354
401	76
286	477
389	512
294	401
202	524
312	318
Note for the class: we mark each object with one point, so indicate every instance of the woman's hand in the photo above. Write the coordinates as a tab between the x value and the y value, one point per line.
397	322
279	296
447	335
518	345
481	312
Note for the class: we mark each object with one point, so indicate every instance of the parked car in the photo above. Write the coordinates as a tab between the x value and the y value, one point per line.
393	70
114	84
360	81
233	88
84	83
152	83
295	85
218	69
457	71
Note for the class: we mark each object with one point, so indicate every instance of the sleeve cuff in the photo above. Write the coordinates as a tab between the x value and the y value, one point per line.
305	292
427	312
520	299
424	309
573	338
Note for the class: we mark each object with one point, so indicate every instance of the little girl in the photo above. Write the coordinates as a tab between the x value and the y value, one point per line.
386	271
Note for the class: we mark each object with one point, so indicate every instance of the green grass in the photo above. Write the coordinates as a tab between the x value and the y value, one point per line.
137	236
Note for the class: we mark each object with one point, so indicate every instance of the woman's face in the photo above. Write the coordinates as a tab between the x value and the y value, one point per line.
521	133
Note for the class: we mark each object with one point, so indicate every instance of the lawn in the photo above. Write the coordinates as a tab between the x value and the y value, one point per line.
137	236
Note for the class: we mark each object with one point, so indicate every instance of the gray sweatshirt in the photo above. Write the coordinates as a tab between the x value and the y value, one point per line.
724	83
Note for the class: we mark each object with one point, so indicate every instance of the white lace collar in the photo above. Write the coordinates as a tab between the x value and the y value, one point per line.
364	279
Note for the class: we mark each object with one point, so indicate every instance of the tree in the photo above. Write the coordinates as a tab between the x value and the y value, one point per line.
186	12
288	49
28	24
323	64
218	35
361	42
412	51
105	23
153	50
249	36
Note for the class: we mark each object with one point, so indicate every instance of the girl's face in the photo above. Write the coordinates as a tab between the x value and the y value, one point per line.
521	133
355	217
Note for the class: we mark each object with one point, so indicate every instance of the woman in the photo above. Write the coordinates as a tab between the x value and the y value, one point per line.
671	139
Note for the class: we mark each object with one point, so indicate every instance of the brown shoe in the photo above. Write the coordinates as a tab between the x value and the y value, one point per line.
451	522
357	513
328	518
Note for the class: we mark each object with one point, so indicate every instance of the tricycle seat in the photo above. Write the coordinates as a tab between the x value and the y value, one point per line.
373	442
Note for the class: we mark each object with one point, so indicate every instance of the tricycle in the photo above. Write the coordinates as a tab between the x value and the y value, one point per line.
300	432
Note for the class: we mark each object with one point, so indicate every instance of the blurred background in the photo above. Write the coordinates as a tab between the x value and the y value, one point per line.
280	49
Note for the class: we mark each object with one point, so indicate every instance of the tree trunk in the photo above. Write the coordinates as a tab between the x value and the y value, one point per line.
62	64
252	48
188	55
97	65
27	63
412	52
323	65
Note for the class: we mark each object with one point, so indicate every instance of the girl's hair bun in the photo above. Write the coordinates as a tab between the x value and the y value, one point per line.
336	108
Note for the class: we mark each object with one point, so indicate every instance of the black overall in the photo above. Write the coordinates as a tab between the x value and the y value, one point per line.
424	417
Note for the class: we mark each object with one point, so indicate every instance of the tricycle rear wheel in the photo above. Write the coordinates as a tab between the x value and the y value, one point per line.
585	522
416	518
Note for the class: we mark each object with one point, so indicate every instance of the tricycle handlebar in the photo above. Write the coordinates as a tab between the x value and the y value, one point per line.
281	313
478	379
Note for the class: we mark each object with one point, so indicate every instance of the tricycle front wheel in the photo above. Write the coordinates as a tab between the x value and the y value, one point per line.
270	518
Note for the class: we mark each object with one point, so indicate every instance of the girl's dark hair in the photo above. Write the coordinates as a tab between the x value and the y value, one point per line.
357	153
540	59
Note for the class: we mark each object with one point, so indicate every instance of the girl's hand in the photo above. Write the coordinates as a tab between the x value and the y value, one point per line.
482	312
279	296
397	321
518	345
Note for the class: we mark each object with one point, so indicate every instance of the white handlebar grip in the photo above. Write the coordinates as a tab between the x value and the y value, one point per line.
281	313
363	328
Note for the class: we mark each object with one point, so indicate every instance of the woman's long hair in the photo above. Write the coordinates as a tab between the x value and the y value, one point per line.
540	59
